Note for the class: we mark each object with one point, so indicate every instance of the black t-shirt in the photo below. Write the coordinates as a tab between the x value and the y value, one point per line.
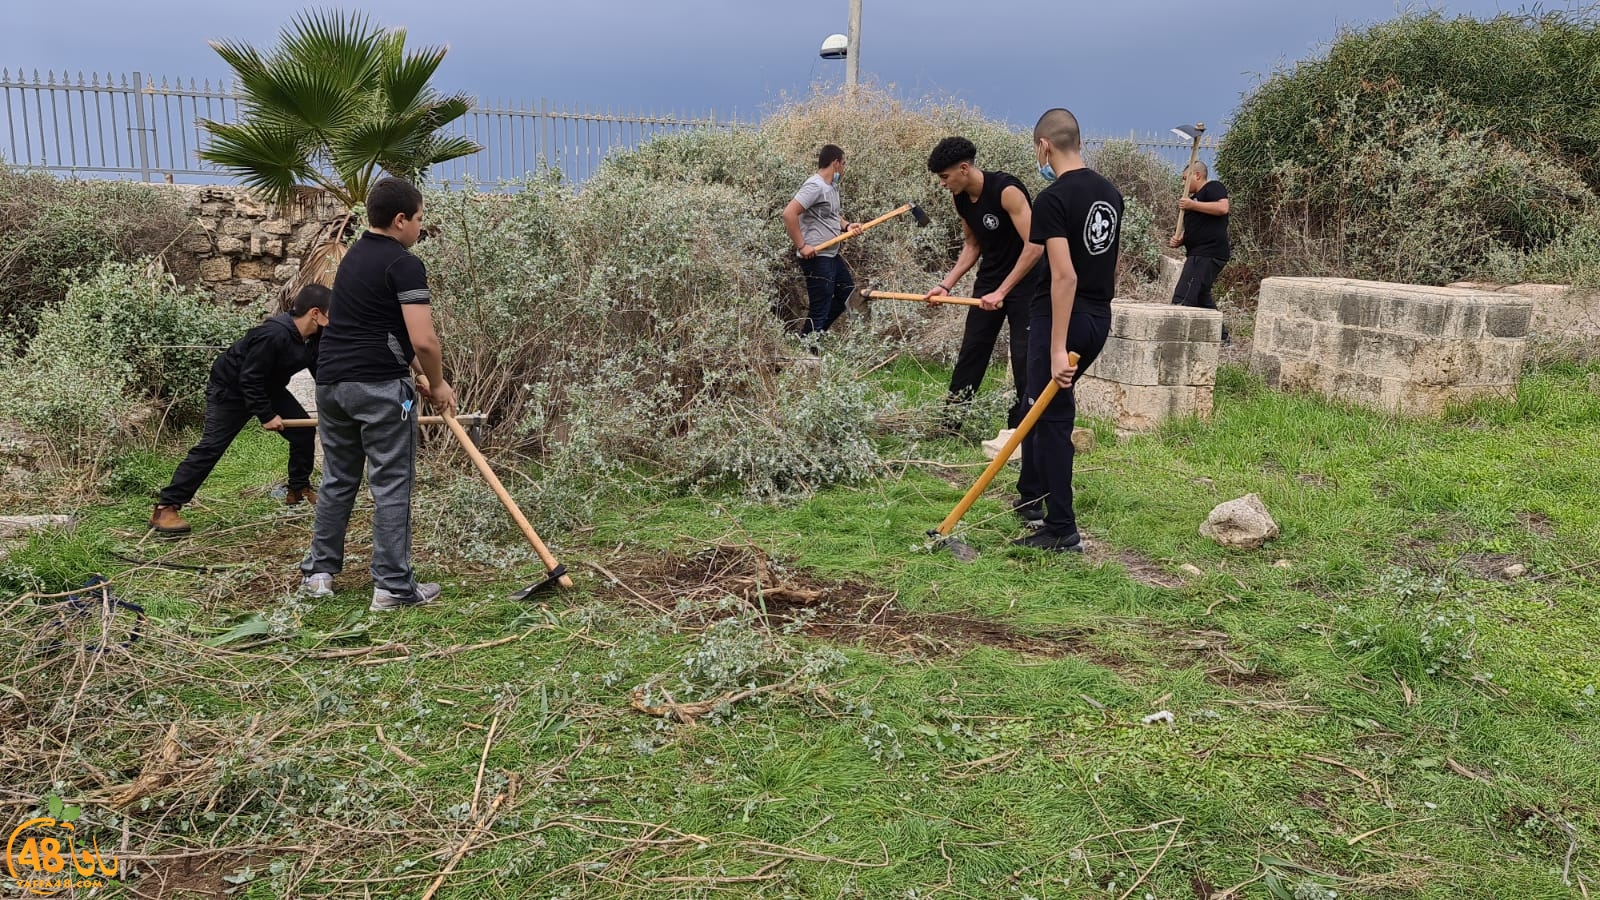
1205	235
366	338
1086	209
999	245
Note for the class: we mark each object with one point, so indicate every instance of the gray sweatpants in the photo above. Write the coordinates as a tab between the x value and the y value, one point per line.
373	427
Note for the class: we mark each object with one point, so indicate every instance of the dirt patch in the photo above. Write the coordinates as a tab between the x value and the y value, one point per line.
1537	523
1486	566
197	876
843	612
1140	568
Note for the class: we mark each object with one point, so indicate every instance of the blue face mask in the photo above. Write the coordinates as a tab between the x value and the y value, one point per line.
1047	172
836	179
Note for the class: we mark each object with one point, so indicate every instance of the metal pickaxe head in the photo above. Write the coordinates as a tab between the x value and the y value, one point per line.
1190	132
922	218
551	580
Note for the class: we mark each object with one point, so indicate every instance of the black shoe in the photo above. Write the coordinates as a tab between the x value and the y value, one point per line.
1031	514
1051	543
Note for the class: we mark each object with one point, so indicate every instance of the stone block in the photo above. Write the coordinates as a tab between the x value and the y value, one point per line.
229	245
1157	362
253	270
262	244
1134	407
285	271
197	241
1164	322
278	227
216	268
239	228
1167	280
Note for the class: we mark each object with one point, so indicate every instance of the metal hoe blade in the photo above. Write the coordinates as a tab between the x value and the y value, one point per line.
961	550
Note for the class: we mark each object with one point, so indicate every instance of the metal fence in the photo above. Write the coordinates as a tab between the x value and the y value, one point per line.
130	127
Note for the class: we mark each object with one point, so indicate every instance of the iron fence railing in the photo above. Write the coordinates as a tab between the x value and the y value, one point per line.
128	126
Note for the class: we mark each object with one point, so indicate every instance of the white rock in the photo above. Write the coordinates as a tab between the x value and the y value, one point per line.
1192	570
1283	564
1243	524
1515	570
12	526
1163	716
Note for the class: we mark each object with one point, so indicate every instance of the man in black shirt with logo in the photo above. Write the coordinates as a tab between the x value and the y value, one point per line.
1204	238
1077	219
252	379
379	329
995	218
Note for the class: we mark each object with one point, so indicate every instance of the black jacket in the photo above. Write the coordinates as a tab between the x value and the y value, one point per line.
260	364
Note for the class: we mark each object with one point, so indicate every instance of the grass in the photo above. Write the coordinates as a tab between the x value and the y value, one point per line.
1364	706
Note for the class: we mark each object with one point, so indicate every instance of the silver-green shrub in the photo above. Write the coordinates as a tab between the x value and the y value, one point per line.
123	343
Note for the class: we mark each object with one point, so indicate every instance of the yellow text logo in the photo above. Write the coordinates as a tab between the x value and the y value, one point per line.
43	858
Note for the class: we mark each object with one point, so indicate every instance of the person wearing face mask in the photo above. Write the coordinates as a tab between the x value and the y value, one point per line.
1205	237
252	379
812	218
1077	220
996	215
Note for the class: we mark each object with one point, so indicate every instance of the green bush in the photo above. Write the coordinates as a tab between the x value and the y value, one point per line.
123	343
628	326
50	227
1423	149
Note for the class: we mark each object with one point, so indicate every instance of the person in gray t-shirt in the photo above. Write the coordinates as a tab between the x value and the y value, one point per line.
812	218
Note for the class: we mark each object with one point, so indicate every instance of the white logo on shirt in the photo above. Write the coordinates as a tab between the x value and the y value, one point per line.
1100	228
991	221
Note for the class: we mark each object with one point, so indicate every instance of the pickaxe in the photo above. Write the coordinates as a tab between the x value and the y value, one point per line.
940	536
914	209
555	572
1192	133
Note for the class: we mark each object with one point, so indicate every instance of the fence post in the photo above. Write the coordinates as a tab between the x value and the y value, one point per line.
140	126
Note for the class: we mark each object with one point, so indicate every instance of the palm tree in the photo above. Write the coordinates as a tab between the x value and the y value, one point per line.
338	103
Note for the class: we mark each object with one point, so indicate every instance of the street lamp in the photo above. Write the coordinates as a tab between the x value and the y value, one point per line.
847	48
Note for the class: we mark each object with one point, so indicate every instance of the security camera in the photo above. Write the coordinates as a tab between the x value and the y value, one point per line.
836	46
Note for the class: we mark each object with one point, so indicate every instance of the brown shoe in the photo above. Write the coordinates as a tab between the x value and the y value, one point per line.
166	520
297	496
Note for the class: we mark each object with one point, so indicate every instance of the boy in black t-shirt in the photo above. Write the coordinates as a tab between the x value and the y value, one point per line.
1204	237
379	329
1077	219
996	215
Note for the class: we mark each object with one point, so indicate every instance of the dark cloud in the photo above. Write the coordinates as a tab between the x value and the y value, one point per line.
1131	65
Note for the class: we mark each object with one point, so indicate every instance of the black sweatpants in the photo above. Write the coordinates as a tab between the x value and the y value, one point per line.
1047	449
225	418
977	348
1195	281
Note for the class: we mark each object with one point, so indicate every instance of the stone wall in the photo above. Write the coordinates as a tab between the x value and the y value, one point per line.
245	248
1393	347
1159	362
1564	318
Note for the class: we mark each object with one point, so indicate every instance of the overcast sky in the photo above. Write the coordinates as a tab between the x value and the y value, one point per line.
1120	64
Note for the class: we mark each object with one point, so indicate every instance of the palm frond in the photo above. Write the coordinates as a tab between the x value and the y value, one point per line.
406	81
341	45
269	159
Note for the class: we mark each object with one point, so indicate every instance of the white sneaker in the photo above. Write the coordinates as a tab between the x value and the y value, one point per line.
383	601
319	584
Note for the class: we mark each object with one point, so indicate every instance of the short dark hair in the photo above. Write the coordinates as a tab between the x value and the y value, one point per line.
1060	128
952	151
392	197
827	155
312	296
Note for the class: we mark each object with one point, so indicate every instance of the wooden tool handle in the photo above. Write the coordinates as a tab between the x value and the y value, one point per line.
1194	156
1004	456
312	423
873	224
545	555
896	295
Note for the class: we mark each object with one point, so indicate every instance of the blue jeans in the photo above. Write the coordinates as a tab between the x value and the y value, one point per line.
828	287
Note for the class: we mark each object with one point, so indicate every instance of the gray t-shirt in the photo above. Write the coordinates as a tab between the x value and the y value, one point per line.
819	216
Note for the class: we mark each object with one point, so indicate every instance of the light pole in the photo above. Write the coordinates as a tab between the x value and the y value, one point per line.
852	61
847	48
